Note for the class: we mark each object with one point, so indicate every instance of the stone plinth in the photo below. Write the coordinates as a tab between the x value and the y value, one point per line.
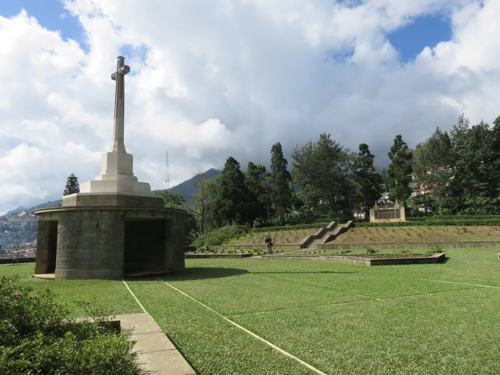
109	241
387	215
116	177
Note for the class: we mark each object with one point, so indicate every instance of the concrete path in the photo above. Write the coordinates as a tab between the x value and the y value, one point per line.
156	353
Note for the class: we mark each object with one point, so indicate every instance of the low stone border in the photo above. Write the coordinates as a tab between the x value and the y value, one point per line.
391	245
369	260
251	246
156	353
204	256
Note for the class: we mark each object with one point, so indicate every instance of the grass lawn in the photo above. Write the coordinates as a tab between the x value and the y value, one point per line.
338	317
111	294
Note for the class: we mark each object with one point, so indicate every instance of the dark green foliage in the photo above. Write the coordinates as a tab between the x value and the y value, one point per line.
475	178
432	165
220	236
368	179
206	204
258	183
281	193
176	200
37	337
233	193
172	199
322	171
399	171
72	185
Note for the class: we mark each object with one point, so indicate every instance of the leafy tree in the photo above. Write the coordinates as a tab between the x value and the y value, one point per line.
433	167
233	193
175	200
207	204
474	185
172	199
323	173
399	171
281	194
72	185
259	201
367	177
494	161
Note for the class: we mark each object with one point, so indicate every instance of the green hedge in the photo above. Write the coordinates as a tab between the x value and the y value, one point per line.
492	222
454	218
38	337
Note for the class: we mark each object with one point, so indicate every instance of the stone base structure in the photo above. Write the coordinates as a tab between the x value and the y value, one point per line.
109	241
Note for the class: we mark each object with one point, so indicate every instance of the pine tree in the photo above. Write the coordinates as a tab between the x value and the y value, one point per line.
323	172
233	193
72	185
367	177
281	194
259	199
399	171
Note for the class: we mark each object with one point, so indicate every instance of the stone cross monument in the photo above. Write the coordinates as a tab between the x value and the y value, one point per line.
119	77
115	226
117	176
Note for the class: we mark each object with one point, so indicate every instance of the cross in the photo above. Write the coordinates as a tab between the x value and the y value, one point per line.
118	77
121	68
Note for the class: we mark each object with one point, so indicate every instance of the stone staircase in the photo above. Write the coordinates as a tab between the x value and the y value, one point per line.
324	235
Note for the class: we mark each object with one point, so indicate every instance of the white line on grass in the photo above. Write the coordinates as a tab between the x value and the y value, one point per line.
456	282
278	349
374	299
133	295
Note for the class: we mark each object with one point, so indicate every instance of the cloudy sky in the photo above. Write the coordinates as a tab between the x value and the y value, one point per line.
216	78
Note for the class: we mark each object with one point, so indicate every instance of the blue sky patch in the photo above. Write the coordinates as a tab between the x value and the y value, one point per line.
423	31
50	14
137	52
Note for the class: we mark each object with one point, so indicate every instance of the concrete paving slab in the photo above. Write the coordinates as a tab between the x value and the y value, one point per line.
156	353
167	362
152	342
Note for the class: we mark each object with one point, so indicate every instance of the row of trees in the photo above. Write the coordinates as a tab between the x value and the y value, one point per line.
326	180
459	171
448	173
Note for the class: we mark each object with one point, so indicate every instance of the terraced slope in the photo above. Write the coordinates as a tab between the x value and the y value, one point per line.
373	235
281	237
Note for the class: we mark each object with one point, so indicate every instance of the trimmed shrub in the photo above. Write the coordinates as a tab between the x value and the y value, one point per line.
38	337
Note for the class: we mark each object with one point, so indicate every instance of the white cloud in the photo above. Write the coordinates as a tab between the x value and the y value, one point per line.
216	78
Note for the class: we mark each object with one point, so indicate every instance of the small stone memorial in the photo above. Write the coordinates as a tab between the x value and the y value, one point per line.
387	214
115	226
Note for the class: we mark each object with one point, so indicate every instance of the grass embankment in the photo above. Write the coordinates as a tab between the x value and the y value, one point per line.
418	234
340	318
279	237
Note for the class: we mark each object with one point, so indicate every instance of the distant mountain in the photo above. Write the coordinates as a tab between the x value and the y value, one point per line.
188	188
25	211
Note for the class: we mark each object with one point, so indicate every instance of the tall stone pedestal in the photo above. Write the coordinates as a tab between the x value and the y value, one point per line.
109	237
